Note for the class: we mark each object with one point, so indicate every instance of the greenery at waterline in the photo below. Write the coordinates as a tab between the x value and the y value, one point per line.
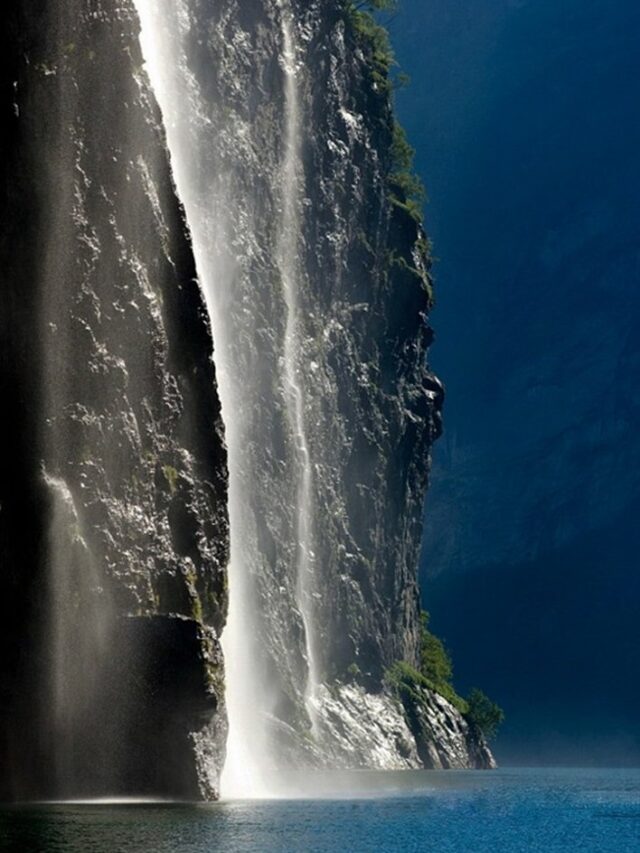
436	674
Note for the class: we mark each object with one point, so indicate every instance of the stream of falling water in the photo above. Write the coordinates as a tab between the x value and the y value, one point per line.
291	271
163	25
166	44
79	631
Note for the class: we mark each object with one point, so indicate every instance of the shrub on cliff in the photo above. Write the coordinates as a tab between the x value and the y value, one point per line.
374	39
435	671
483	713
435	661
375	5
406	681
405	187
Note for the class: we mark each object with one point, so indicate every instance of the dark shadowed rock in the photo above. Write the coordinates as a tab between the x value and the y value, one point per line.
113	480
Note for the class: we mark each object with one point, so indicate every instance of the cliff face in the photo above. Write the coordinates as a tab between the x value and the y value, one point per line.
282	136
113	516
375	407
113	519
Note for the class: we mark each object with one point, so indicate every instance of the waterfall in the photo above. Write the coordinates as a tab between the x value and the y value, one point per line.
122	589
252	286
79	633
229	322
191	139
291	271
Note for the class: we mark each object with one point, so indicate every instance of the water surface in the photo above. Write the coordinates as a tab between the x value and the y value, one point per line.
506	810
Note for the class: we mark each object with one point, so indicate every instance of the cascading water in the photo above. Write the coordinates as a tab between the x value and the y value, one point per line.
269	641
283	145
165	29
290	264
280	139
281	136
120	595
80	629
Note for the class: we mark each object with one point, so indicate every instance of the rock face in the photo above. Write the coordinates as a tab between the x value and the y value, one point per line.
380	731
282	134
445	740
113	484
113	519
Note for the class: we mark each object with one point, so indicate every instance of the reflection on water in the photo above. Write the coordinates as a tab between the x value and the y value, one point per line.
595	811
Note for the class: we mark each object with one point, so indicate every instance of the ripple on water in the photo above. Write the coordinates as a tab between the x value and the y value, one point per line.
507	811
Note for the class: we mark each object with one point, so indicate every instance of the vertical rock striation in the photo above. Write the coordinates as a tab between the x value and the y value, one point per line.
113	518
282	137
113	480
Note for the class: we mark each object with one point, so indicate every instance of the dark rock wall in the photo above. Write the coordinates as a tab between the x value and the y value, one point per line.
109	397
376	412
445	740
22	501
113	517
371	406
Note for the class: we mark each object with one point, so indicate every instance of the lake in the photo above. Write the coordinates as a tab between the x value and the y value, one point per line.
504	810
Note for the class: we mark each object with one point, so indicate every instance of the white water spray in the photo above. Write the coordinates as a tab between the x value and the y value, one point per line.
80	615
222	245
163	29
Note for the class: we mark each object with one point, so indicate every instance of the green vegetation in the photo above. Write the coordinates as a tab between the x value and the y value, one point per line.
436	673
406	190
435	660
353	670
171	476
400	262
191	583
375	39
483	713
196	610
376	5
436	666
405	679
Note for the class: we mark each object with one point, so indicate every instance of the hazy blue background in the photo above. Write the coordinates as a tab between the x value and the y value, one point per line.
525	116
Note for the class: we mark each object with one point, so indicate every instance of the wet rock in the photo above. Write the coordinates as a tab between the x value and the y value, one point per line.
107	374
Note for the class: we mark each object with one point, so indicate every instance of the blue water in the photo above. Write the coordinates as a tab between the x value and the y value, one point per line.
507	810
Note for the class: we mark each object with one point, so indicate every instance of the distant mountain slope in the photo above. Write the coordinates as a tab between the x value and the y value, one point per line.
525	119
